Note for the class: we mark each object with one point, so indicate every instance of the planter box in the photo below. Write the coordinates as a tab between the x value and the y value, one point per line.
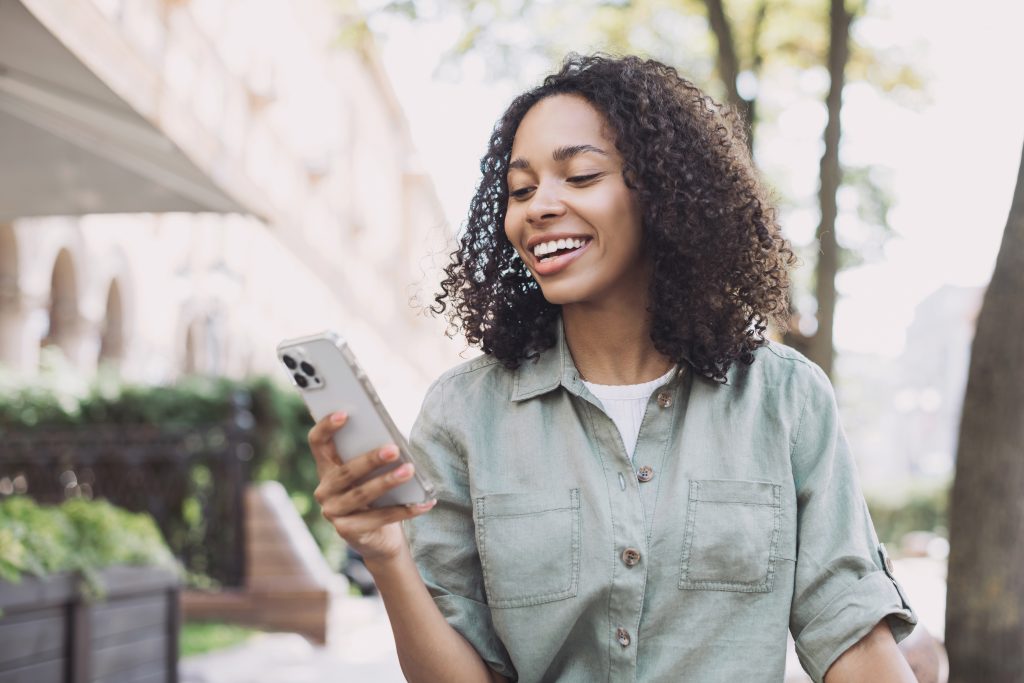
50	634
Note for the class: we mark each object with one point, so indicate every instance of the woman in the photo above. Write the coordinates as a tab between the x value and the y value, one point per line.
633	483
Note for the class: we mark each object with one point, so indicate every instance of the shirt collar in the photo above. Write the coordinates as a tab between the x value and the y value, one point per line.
554	367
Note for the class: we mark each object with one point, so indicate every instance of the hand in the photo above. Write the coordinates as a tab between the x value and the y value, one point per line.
374	533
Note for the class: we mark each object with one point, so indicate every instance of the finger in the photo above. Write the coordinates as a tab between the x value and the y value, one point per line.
321	439
337	479
371	520
337	496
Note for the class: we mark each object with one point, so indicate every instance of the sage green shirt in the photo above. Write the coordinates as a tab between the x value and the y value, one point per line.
739	517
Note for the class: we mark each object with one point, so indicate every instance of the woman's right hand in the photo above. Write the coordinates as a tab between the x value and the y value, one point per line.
374	533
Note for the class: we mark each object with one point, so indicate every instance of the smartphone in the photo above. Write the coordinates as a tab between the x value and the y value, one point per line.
329	379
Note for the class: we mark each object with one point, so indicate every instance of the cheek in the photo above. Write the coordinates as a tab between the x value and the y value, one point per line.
632	217
513	231
636	221
509	225
622	217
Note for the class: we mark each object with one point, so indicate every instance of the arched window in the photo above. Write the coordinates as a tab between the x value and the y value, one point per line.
204	352
63	310
194	348
112	336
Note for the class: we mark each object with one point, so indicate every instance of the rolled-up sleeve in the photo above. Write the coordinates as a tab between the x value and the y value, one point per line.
443	540
844	584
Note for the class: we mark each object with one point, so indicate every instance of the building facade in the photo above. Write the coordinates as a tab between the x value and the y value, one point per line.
302	207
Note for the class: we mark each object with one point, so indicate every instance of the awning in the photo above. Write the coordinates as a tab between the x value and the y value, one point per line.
70	145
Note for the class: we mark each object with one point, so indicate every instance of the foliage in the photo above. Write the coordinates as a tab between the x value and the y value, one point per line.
762	56
192	402
282	425
516	38
276	415
77	536
33	539
199	638
923	509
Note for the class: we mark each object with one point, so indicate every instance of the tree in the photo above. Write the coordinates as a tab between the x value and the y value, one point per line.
735	48
985	598
820	347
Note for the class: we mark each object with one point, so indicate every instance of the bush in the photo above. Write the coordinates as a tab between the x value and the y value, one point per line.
922	509
276	415
80	535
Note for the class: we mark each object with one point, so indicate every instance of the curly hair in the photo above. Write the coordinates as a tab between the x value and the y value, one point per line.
720	263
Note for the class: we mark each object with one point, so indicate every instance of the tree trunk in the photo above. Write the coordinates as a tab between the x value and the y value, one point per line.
821	346
985	601
728	62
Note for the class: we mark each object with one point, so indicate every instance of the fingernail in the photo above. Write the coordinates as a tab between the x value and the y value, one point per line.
388	453
338	417
403	471
426	506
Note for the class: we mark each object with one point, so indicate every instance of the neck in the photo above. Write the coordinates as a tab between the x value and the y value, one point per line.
611	344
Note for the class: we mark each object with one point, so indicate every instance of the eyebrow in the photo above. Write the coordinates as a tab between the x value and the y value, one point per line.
561	154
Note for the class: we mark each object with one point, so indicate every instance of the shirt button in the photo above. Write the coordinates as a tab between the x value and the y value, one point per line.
665	399
886	560
622	635
630	557
645	473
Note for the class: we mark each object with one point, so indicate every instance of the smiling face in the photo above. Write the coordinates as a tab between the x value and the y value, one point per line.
572	219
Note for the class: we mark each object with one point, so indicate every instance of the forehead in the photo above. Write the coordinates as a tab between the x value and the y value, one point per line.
557	121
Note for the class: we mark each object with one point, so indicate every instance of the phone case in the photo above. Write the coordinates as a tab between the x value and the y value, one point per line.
329	379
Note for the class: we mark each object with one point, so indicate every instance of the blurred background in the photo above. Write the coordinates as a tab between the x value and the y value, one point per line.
185	183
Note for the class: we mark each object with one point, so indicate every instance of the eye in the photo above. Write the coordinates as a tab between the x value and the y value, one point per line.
520	193
583	178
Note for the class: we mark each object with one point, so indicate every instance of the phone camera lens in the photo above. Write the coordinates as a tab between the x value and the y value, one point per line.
307	368
289	361
301	380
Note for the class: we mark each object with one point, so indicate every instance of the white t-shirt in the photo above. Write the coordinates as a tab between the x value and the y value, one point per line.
625	404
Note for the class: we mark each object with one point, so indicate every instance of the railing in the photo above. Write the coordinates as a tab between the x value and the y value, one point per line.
191	481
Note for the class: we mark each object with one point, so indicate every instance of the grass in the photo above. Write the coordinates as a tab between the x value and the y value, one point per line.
198	637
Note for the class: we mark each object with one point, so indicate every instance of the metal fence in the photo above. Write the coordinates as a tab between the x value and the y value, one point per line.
191	481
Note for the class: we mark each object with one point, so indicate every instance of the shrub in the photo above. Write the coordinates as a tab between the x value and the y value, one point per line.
82	536
922	509
276	415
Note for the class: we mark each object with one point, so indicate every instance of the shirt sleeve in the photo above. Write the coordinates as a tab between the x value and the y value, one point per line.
844	581
443	541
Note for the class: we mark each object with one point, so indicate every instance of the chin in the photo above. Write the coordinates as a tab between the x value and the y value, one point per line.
562	294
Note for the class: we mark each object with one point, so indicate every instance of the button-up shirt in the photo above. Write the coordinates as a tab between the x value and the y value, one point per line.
739	518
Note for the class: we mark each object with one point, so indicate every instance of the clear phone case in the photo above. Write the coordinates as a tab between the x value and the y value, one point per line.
329	379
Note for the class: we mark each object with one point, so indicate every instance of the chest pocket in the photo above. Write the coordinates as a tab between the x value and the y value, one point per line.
529	545
731	536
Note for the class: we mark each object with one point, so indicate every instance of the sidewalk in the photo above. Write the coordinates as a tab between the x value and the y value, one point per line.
361	649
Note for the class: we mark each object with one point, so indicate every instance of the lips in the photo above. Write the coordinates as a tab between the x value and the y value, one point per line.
556	264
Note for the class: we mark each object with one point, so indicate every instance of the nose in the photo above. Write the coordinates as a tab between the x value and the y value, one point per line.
545	204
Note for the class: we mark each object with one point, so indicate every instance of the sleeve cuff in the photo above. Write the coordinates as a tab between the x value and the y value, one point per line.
472	620
849	617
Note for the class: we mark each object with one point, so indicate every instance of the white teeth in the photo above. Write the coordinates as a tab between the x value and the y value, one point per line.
554	245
